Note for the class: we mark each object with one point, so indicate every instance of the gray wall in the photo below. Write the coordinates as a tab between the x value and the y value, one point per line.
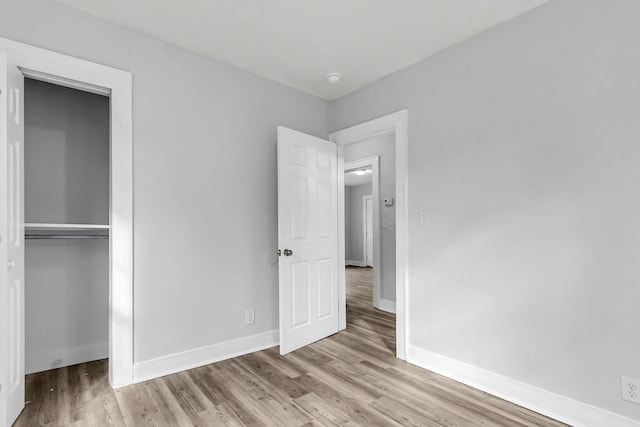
66	155
66	181
383	146
202	231
523	149
353	226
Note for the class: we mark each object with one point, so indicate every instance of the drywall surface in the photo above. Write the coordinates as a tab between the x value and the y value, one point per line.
66	181
66	155
66	302
383	146
523	150
354	222
205	235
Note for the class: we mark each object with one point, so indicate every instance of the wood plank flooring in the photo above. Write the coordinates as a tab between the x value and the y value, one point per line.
349	379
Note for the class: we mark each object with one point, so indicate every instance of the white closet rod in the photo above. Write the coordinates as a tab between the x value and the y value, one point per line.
50	226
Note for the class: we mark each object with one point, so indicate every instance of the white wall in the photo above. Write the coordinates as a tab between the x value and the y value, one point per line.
383	146
66	181
203	232
523	149
353	226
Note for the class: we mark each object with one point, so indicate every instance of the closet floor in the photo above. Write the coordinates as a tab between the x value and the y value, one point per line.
351	378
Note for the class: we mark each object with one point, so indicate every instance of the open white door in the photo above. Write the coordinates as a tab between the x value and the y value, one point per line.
11	241
307	238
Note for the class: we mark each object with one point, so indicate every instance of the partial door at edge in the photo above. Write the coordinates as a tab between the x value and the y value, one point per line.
11	241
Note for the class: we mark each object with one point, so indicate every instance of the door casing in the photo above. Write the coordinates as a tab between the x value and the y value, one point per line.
367	203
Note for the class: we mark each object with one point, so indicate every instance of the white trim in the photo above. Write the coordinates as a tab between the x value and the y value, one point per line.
387	305
61	81
50	226
165	365
397	123
42	360
374	163
553	405
354	263
77	73
365	251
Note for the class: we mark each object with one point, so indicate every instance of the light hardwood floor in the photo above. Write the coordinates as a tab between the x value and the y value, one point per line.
351	378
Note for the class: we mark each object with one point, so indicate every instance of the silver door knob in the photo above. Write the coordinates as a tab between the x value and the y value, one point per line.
288	252
11	264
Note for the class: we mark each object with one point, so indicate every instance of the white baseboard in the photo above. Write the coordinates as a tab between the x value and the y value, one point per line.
45	360
553	405
355	263
386	305
161	366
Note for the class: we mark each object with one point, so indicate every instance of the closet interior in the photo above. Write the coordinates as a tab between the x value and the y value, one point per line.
66	178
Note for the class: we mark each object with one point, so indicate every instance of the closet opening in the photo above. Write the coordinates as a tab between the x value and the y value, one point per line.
76	227
67	225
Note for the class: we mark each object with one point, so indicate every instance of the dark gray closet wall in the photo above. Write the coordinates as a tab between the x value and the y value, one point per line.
66	155
66	181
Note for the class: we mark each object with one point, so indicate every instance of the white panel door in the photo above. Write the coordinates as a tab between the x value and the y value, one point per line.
368	231
307	238
11	240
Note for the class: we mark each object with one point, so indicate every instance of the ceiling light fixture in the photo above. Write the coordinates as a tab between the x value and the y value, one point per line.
334	78
360	173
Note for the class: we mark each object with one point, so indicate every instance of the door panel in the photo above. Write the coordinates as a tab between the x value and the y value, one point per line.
308	227
325	227
11	240
325	293
299	207
300	295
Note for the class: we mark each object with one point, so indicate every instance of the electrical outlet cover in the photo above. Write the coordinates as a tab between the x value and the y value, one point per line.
630	389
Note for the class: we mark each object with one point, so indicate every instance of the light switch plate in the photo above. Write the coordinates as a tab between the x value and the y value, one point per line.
423	219
250	317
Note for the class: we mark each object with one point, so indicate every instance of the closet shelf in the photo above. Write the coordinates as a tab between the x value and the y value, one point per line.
64	236
48	226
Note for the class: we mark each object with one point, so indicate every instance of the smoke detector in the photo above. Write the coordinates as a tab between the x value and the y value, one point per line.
334	78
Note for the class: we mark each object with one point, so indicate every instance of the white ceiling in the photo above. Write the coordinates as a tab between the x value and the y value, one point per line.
298	42
351	179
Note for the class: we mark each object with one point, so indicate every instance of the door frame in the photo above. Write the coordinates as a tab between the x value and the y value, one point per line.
374	163
365	231
64	70
396	123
